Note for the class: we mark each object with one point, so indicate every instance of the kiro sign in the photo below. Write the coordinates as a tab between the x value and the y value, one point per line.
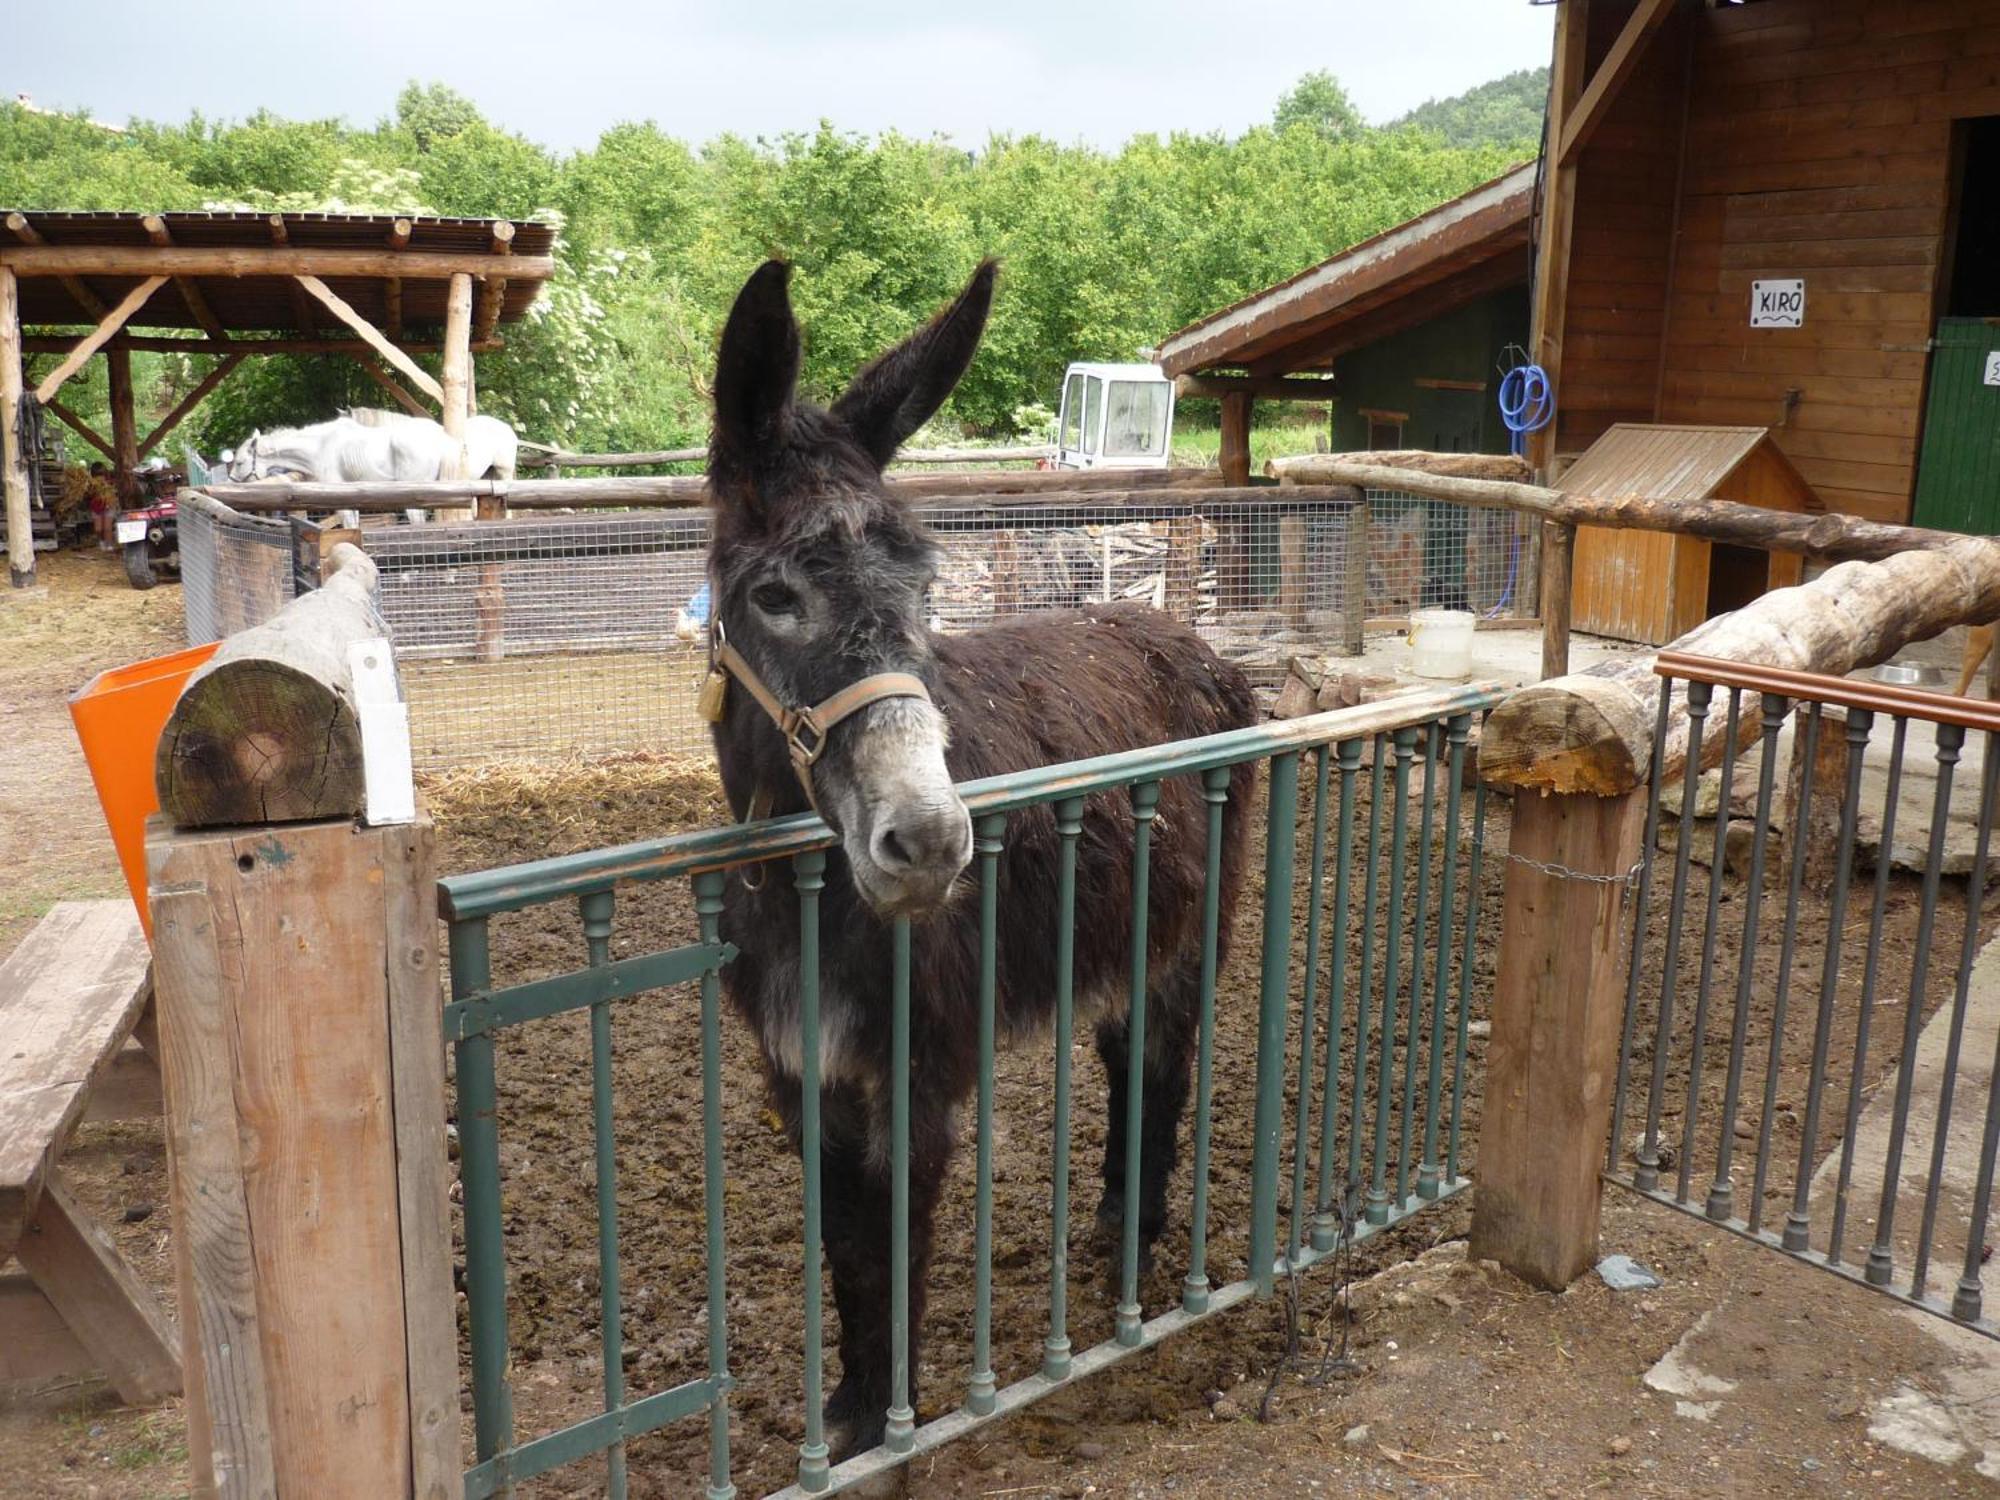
1778	304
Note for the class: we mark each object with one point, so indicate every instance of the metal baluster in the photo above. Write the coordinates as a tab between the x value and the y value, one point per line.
899	1431
1786	952
1385	1065
1145	806
1721	1192
1427	1171
479	1182
1055	1348
1471	930
708	914
1326	1225
1709	934
1881	1255
1798	1223
809	878
1858	1074
1642	904
1194	1290
1975	897
1308	1019
595	908
1646	1168
1967	1296
1406	1128
1280	844
1365	1015
986	843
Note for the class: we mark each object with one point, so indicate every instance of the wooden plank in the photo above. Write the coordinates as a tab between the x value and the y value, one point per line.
229	1410
371	336
106	1306
91	342
35	1343
1558	996
1625	55
416	1050
70	994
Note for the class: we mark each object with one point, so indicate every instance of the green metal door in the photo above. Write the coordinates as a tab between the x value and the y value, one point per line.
1958	464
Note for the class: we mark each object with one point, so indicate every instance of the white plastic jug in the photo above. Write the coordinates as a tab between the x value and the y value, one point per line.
1441	642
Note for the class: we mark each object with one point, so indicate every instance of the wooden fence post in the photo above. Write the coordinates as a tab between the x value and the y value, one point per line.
1553	1056
1558	549
297	988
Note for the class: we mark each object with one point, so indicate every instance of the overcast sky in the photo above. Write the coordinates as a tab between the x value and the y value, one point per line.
560	71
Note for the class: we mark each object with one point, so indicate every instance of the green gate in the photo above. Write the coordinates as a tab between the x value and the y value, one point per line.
1410	752
1958	466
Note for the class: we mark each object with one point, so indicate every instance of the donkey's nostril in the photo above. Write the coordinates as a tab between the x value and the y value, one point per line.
890	850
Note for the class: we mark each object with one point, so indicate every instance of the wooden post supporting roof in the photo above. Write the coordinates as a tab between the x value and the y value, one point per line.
13	462
1557	219
124	427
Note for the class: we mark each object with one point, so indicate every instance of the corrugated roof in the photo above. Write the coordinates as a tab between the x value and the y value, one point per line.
1481	225
267	302
1672	462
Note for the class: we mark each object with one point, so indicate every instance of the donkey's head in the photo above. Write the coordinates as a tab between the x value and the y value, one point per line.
819	581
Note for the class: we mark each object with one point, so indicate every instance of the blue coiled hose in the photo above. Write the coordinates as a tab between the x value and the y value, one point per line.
1527	402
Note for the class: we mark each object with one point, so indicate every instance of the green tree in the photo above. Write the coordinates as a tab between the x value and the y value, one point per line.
1320	104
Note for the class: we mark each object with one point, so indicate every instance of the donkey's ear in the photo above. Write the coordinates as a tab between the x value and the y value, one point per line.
757	365
903	389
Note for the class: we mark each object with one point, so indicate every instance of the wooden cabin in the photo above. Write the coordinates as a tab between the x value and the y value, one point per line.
1782	214
1655	586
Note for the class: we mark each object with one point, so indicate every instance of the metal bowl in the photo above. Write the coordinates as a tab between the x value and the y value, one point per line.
1908	674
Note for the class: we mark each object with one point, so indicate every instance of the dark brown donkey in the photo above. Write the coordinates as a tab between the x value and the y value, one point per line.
819	587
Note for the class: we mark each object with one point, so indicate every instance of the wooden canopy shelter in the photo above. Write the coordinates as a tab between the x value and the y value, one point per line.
1458	252
378	288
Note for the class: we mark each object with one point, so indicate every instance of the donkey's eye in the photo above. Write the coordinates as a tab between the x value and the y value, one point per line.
775	599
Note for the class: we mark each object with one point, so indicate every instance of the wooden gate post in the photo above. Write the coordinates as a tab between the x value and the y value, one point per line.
1553	1056
296	976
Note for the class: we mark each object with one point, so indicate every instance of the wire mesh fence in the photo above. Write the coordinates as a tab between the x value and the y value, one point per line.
556	635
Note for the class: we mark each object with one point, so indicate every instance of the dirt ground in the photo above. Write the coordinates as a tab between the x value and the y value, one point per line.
1468	1382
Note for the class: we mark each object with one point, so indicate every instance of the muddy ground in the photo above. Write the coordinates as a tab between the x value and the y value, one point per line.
1449	1355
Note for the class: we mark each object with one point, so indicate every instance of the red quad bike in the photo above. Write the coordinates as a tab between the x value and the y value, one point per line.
149	536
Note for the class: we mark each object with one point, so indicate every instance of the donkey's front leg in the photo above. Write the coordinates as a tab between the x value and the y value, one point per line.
856	1226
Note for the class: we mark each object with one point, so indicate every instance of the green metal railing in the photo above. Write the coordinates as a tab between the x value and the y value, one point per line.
1436	721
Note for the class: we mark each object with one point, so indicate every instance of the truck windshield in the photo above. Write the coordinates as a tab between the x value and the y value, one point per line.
1136	418
1072	414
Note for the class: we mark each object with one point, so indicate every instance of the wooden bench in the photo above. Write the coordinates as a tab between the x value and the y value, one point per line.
72	998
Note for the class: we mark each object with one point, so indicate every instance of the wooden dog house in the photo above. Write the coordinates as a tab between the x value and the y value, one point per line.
1655	586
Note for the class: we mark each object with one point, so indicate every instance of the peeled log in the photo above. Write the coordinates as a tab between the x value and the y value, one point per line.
1318	468
1593	731
266	731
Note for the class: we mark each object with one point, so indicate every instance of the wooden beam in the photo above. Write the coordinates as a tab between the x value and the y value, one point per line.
285	689
372	368
92	305
455	398
503	237
81	428
1558	215
13	462
399	234
275	260
197	305
1310	468
91	342
1558	548
46	344
124	426
1272	387
492	297
372	336
1580	123
1593	731
302	312
392	289
1557	998
188	402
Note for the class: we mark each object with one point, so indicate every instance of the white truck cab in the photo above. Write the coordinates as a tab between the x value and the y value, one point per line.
1115	417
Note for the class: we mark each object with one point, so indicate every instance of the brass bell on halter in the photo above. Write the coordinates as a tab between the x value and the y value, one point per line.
714	695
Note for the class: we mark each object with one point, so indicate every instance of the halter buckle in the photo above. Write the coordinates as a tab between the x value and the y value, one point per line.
805	754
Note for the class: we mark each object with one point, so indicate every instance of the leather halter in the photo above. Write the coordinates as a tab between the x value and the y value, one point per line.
806	730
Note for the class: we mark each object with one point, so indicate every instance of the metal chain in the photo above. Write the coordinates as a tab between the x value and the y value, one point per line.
1564	872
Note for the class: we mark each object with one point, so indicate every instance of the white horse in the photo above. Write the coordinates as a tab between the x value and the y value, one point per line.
367	444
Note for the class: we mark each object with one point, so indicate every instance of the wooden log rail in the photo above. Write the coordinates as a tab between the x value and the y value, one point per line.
538	457
1585	744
